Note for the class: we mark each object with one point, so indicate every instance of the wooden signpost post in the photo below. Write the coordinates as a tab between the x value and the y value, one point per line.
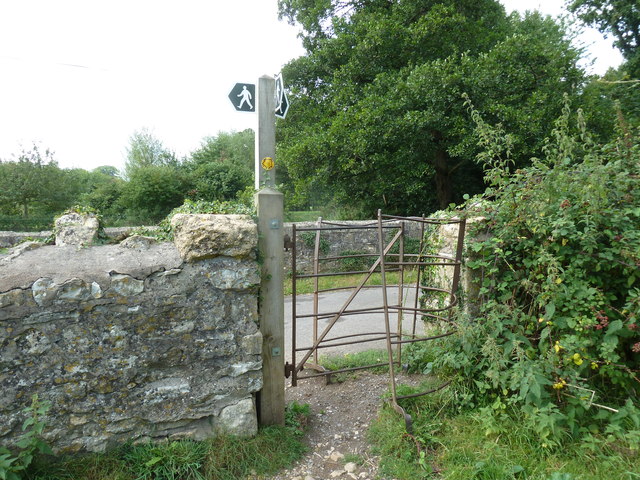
269	102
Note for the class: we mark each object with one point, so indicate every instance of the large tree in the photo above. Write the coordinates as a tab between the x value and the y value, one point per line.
146	150
152	192
379	119
105	189
226	147
222	166
31	181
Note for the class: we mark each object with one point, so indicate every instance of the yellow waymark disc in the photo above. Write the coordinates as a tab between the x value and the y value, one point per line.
267	163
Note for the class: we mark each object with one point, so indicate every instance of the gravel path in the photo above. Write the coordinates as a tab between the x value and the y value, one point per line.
341	412
340	416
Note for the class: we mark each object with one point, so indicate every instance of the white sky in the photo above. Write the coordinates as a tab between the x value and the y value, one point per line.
80	76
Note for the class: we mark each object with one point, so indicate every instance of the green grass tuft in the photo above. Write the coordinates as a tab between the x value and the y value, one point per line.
231	458
220	458
357	359
181	460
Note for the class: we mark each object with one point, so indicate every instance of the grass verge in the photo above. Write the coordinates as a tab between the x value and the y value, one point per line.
305	285
474	445
220	458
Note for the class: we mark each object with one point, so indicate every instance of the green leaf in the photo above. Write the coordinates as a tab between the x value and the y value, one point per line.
614	326
153	461
26	459
44	448
5	461
516	469
28	422
24	442
477	246
544	333
534	390
549	310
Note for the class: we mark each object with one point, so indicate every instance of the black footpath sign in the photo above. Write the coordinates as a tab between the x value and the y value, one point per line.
243	97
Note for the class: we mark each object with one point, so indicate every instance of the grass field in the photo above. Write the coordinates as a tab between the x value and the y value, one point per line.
306	285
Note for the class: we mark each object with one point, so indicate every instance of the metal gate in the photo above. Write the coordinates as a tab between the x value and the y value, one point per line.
389	255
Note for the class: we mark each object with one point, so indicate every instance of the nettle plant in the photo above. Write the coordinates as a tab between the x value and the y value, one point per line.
558	335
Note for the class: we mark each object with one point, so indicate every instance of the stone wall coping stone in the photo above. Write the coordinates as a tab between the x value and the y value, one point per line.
94	264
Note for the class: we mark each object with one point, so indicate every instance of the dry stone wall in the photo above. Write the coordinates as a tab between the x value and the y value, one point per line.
10	239
337	242
135	341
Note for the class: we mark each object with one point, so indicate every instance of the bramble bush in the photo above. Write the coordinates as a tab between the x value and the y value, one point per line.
557	340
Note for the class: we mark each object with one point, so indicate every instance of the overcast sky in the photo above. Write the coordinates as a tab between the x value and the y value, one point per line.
79	77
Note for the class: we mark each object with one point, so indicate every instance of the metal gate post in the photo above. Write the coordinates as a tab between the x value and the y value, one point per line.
400	261
462	227
316	287
294	302
385	305
418	279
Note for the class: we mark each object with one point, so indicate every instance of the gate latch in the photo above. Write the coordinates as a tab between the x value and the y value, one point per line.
288	368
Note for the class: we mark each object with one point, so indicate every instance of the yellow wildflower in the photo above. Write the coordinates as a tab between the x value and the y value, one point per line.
559	384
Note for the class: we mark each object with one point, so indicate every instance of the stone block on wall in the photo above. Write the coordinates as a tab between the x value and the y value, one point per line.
207	235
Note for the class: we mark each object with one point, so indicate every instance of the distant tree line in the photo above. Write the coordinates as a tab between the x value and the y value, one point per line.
380	113
33	188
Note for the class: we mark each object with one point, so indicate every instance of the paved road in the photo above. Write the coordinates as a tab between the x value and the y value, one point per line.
346	325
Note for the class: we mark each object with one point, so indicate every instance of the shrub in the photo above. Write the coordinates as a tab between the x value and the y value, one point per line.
558	336
355	264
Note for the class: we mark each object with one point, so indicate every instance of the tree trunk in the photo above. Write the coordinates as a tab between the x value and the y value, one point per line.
441	163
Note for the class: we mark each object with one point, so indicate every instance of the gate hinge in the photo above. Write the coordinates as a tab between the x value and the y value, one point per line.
288	368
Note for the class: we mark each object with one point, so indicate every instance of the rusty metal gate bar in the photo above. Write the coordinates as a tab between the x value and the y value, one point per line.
295	368
453	301
381	265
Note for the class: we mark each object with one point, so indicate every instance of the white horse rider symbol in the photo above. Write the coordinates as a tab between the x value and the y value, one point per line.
246	97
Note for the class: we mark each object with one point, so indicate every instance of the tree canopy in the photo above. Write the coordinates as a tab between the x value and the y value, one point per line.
29	181
379	117
620	18
155	181
226	147
145	150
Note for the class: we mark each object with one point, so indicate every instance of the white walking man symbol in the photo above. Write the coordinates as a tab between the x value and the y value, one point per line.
246	97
